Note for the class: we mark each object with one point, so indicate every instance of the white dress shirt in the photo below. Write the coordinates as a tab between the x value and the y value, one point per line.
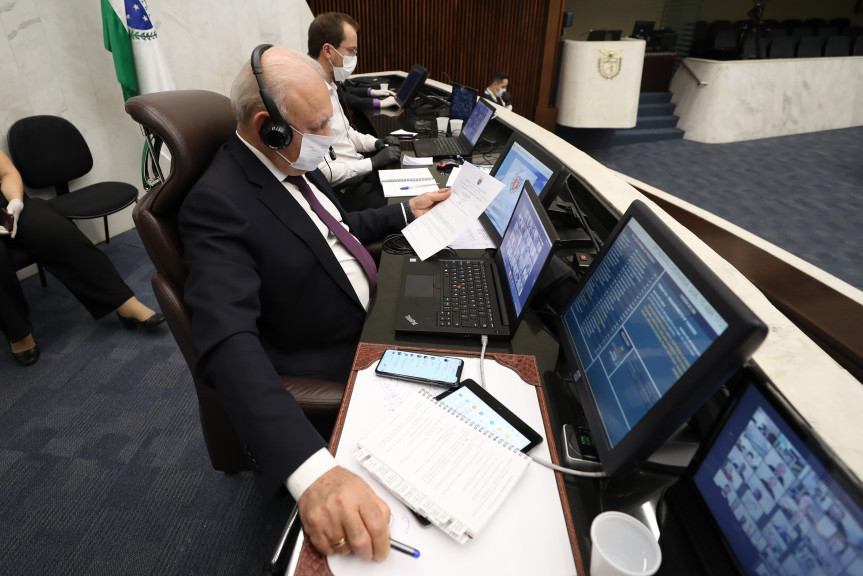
348	146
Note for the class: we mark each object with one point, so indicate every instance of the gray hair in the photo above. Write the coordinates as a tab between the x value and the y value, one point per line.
282	68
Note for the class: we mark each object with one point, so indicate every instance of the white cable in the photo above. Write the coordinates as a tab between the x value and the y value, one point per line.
572	471
481	363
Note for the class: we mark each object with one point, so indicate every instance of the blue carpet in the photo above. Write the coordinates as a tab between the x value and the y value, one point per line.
103	468
803	193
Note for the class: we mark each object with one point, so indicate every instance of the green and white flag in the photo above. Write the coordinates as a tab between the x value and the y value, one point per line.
130	37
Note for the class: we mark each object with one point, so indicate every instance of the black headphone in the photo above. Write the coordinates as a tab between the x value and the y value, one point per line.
275	133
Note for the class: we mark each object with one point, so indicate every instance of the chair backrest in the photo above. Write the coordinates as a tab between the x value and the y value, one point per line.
48	151
837	46
810	47
782	47
193	124
858	47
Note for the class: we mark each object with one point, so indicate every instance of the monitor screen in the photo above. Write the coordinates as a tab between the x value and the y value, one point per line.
462	102
414	81
650	334
642	29
783	505
476	123
526	248
521	162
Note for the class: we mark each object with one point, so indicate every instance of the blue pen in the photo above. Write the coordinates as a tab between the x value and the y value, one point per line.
405	188
404	548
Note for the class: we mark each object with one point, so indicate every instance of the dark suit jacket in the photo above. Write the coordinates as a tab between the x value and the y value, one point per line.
268	297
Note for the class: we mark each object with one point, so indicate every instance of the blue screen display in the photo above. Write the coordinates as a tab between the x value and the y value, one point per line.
476	123
519	166
525	249
637	325
780	510
462	102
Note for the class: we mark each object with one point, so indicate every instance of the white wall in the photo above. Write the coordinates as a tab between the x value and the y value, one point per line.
53	61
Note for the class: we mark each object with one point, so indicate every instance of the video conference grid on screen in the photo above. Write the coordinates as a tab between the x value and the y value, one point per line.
780	510
637	325
524	251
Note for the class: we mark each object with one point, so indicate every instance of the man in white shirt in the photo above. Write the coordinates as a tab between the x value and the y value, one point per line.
333	42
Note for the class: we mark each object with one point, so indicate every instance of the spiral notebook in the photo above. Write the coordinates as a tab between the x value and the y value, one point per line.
442	465
407	182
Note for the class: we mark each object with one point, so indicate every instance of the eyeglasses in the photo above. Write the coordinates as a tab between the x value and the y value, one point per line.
351	51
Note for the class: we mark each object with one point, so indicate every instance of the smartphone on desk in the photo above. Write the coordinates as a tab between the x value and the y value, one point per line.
418	367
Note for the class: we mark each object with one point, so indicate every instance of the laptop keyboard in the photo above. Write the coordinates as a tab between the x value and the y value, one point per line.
447	146
465	297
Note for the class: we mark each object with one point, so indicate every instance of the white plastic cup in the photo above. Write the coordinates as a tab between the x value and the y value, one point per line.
622	546
384	86
442	123
455	125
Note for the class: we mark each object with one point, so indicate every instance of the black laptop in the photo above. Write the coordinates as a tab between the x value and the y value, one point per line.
475	296
457	145
763	496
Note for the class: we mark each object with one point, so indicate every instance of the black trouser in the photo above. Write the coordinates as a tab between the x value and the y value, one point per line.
361	193
69	255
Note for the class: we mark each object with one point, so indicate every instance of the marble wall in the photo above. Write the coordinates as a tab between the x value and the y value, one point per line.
750	99
53	61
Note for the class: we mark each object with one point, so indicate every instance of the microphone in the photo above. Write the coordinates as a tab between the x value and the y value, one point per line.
332	153
448	77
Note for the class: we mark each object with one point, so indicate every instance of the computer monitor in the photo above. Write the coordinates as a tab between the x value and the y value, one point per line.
642	29
778	498
650	334
462	102
522	161
477	122
604	35
414	81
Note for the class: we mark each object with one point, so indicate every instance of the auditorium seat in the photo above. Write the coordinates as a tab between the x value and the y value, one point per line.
839	23
801	32
837	46
782	47
814	23
810	47
827	31
724	45
790	24
700	42
858	47
714	28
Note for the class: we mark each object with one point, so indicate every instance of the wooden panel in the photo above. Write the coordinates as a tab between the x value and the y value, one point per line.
467	39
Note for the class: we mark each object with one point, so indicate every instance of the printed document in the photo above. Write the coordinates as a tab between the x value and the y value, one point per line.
472	191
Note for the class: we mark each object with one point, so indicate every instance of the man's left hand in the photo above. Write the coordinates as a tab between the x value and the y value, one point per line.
425	202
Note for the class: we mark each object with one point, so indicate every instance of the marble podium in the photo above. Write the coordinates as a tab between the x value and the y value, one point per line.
599	83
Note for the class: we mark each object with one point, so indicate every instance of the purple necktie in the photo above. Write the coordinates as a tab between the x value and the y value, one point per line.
346	238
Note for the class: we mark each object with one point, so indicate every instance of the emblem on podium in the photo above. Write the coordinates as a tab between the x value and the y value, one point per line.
609	63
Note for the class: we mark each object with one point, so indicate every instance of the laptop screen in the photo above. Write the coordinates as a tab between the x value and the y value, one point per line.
415	79
525	249
476	123
462	102
782	512
517	167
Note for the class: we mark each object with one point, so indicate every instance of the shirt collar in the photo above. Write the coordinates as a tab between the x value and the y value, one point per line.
268	164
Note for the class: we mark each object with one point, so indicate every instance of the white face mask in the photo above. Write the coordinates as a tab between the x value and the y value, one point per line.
502	90
349	64
312	150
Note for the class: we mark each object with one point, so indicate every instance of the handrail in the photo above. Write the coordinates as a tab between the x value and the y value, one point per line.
688	69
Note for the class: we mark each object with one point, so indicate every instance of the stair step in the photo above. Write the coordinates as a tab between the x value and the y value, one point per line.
665	109
646	122
654	98
650	135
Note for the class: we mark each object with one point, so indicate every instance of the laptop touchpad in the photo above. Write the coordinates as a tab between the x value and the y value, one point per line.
419	286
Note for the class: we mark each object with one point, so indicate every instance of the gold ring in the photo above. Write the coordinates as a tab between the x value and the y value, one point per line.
340	543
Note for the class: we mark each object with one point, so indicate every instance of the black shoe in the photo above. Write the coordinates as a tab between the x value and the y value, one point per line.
27	357
131	323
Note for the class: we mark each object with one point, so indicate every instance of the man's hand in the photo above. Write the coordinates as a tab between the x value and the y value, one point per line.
386	141
388	155
381	93
340	505
14	209
389	102
425	202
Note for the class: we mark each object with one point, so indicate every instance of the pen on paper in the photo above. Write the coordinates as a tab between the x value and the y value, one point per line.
404	548
405	188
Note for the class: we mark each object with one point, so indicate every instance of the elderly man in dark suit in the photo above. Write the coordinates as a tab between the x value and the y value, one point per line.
277	286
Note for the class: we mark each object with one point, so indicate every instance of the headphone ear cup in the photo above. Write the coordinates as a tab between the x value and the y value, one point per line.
276	135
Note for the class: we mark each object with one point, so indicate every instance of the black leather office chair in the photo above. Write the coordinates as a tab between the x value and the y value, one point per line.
193	124
49	151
